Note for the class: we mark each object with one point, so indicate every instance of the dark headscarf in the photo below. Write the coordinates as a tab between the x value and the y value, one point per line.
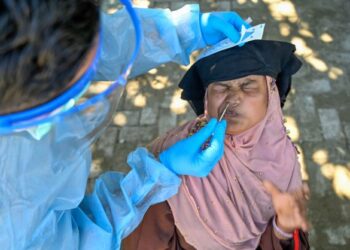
259	57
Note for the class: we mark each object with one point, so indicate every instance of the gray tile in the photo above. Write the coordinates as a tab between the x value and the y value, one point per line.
148	116
107	141
305	109
167	121
129	134
330	123
317	86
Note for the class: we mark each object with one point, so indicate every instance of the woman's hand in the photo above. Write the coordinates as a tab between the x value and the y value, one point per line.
290	207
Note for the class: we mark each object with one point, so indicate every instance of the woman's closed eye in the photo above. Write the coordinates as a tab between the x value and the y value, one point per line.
220	88
249	86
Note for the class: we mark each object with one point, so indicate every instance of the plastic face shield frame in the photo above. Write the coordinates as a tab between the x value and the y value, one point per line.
45	113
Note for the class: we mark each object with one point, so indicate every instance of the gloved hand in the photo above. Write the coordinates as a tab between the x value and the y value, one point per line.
216	26
186	156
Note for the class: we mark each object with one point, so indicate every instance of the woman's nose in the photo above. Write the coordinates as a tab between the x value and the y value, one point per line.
234	98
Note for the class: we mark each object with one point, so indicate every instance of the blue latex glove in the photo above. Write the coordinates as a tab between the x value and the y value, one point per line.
216	26
186	156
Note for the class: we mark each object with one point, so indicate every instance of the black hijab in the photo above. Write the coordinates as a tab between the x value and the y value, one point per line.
258	57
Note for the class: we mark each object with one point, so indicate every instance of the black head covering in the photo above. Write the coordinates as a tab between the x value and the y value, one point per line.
258	57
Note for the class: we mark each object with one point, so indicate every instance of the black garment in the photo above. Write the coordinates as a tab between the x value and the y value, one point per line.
259	57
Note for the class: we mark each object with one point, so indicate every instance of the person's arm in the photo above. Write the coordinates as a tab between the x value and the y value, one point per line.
43	184
42	192
168	36
290	208
118	203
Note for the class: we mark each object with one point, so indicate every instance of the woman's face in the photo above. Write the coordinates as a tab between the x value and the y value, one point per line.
247	99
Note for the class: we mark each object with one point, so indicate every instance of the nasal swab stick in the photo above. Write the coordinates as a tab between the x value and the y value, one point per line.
223	112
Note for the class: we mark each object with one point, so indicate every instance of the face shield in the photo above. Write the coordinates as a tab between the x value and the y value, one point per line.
86	107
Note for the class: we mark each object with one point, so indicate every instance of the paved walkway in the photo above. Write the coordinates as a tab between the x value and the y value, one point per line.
317	111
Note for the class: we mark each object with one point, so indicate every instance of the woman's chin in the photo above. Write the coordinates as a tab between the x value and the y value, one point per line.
234	128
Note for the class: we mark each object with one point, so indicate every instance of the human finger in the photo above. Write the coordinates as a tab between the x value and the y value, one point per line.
235	19
216	146
271	188
228	30
306	191
300	219
199	138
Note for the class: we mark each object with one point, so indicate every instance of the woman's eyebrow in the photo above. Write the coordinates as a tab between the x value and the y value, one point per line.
220	83
248	80
243	81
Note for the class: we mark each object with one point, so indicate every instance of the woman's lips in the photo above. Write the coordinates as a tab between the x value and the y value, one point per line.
231	113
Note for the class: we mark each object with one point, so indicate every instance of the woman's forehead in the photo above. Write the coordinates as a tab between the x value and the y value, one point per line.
249	78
